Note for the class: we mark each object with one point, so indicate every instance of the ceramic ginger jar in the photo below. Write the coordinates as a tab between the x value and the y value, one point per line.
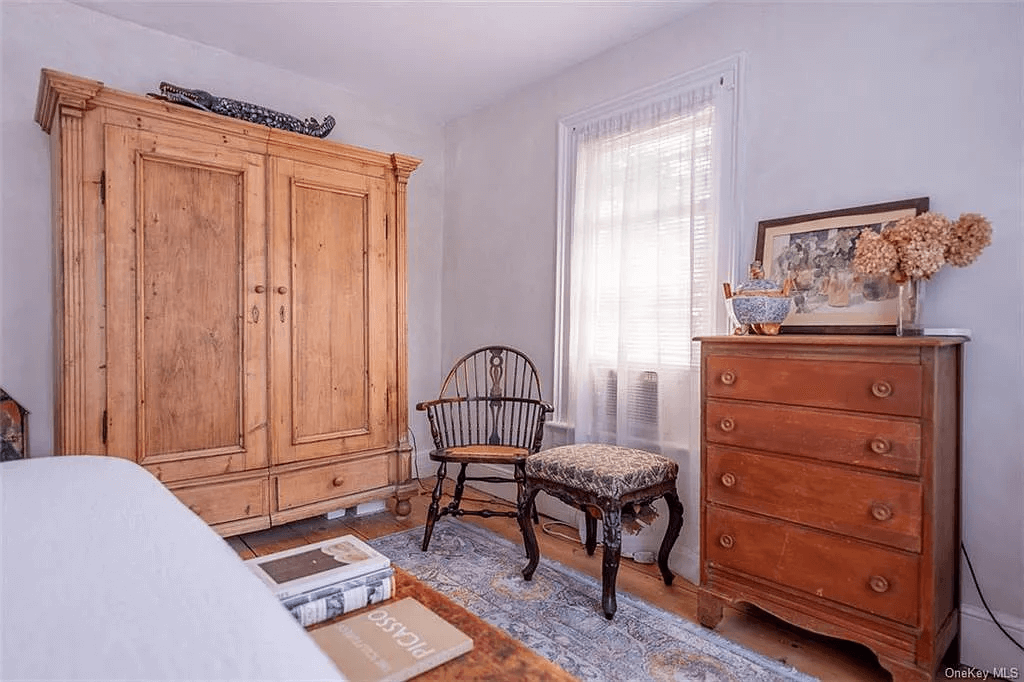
759	305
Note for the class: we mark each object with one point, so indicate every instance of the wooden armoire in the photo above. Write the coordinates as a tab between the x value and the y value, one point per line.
230	306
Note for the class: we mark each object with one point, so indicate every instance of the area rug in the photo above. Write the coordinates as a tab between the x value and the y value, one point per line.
558	613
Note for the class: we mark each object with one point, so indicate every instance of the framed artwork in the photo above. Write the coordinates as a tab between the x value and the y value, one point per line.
816	251
13	428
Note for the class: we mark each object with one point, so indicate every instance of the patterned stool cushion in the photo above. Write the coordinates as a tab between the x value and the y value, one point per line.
605	470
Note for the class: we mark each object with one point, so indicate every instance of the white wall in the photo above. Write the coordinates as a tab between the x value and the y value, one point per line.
63	36
842	105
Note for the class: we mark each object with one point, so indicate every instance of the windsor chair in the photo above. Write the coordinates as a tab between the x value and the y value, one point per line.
490	411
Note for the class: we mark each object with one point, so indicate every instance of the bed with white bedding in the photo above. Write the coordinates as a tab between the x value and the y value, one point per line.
107	576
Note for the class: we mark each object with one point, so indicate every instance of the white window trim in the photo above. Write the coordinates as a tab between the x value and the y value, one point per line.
726	71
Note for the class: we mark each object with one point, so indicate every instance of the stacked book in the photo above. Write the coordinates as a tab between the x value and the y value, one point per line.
326	579
392	642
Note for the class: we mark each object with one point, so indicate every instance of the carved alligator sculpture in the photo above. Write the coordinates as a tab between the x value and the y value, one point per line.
200	99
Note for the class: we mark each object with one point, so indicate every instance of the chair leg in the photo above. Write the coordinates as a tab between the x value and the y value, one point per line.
529	537
460	487
675	524
432	510
612	521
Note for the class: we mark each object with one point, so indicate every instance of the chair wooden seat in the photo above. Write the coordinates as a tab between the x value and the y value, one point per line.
607	481
489	412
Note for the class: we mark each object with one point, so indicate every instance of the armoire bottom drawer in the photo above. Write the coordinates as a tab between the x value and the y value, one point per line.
227	501
858	574
319	483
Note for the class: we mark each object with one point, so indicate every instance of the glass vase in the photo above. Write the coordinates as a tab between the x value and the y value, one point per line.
908	311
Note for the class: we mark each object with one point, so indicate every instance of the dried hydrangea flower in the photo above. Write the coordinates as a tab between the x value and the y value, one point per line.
874	254
920	259
899	232
971	233
920	242
932	227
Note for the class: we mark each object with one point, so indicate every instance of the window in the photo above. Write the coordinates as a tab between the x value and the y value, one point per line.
647	210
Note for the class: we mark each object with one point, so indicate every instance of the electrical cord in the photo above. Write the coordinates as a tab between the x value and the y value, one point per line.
546	528
985	603
415	458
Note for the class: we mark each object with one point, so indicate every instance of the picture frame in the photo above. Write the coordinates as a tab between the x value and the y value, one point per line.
816	250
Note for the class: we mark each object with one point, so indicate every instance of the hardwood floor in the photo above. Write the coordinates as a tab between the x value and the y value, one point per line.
826	658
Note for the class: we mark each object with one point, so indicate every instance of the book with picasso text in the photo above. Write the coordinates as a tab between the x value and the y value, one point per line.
301	570
341	598
392	642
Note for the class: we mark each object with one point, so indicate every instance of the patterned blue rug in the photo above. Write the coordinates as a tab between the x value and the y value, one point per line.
558	614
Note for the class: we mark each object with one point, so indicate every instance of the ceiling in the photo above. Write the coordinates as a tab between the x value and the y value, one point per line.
438	59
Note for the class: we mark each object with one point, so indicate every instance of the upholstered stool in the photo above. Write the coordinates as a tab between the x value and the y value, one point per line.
603	480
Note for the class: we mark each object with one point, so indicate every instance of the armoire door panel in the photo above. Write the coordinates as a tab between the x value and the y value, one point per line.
331	395
189	297
330	292
187	254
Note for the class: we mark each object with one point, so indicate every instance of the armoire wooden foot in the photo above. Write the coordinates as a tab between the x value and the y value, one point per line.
230	306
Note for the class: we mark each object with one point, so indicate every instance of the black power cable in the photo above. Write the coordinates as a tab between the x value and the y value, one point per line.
985	603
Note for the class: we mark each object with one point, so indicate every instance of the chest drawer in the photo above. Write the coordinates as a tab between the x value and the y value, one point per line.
837	384
227	501
877	580
864	505
316	484
874	442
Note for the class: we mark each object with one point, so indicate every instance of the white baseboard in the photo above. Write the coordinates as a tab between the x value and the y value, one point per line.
984	647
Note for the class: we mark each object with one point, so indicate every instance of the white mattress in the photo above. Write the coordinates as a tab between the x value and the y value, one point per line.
107	576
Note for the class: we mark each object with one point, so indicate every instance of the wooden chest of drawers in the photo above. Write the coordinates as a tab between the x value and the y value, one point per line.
830	488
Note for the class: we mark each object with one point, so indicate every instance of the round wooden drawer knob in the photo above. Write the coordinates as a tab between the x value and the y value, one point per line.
727	541
282	290
881	389
880	512
728	378
338	481
727	424
260	288
878	584
880	446
728	480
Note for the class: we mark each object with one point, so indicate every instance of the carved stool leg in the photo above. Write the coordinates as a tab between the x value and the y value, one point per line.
529	537
612	522
519	474
675	524
432	510
591	523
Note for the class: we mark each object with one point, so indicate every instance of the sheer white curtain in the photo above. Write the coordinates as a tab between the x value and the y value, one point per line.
643	275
